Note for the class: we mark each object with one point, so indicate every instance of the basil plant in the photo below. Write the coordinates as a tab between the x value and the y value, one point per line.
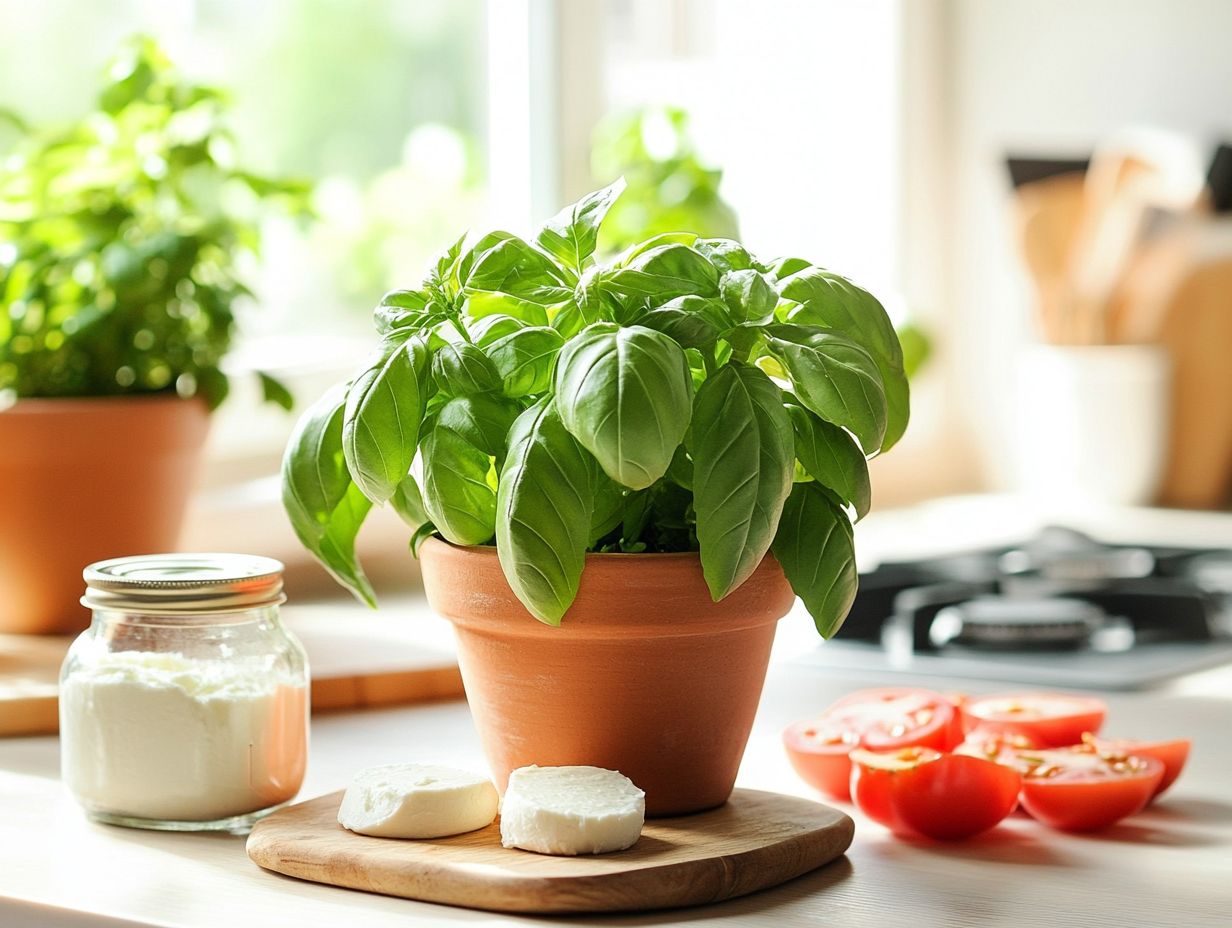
684	396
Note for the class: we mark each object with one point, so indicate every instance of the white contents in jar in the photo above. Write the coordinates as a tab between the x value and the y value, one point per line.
161	736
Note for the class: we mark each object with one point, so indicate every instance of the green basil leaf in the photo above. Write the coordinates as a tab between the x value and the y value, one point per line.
459	487
544	506
608	507
572	234
324	507
460	368
443	276
408	503
748	296
483	303
742	467
782	268
524	359
483	419
467	260
663	238
834	377
816	548
626	395
274	391
691	321
725	254
830	457
836	303
663	273
491	327
381	423
421	534
519	269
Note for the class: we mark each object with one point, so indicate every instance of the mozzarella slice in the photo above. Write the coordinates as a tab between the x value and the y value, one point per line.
571	810
417	801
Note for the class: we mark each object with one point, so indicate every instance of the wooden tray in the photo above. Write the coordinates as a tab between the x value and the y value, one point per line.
755	841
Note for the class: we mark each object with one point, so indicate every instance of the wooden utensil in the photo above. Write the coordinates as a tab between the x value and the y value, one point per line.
1047	213
754	841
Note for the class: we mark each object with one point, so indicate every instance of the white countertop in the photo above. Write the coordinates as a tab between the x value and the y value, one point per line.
1171	865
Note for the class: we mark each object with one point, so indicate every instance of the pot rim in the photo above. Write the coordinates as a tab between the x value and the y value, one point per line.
490	551
44	405
620	595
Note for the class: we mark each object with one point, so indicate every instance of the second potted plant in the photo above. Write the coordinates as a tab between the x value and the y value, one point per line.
650	456
120	246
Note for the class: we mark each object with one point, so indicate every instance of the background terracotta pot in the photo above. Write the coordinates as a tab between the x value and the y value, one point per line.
646	675
82	480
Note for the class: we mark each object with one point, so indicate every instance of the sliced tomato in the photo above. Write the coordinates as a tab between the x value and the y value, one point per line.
879	719
1045	719
1080	788
918	791
1172	754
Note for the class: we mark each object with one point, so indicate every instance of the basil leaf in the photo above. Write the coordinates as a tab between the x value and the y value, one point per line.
725	254
519	269
742	467
460	368
324	507
274	391
459	487
544	506
691	321
408	503
523	359
572	234
483	303
625	394
830	457
483	420
663	273
491	327
607	511
462	270
816	548
834	377
782	268
748	297
663	238
834	302
380	426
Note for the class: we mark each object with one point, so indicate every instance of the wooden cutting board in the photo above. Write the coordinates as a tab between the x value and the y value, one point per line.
755	841
359	660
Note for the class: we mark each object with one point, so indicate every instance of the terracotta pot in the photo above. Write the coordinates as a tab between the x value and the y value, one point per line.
646	675
82	480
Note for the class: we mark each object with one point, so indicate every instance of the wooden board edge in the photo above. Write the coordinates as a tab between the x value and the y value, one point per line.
707	881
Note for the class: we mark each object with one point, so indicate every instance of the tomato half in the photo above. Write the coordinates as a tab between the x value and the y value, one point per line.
917	791
1045	719
1080	788
1172	754
879	719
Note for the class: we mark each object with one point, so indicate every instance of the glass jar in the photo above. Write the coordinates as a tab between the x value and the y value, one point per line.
184	706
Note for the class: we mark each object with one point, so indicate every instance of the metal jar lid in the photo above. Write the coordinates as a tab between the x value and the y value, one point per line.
184	584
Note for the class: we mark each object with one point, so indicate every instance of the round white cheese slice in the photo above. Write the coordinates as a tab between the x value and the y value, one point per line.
417	801
571	810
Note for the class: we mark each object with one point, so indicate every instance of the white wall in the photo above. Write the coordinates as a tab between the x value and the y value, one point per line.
1052	77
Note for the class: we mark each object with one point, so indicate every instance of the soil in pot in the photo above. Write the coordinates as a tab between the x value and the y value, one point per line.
82	480
646	674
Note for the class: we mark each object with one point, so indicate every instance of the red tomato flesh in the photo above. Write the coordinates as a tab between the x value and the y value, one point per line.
1080	788
879	719
1172	754
917	791
1044	719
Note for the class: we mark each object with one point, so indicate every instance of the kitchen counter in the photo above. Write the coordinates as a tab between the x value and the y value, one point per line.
1167	866
1171	865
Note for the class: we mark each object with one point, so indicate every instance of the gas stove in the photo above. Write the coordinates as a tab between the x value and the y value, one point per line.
1058	610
